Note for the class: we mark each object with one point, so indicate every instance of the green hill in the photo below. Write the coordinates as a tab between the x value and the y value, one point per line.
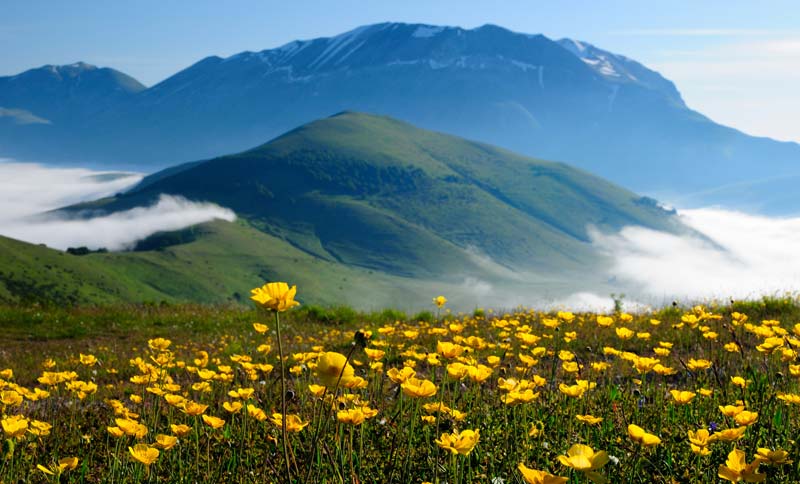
356	209
373	192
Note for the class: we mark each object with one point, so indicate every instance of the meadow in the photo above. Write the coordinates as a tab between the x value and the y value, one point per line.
191	393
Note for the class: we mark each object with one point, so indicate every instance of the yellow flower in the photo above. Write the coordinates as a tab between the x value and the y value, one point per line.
772	457
439	301
144	453
232	407
165	442
731	410
275	296
330	367
699	364
639	435
682	397
260	328
701	438
532	476
10	398
65	464
419	388
459	443
39	428
159	344
448	349
131	427
213	422
293	422
736	469
353	416
589	419
746	417
729	435
584	459
256	413
115	432
374	354
88	360
193	408
180	430
624	333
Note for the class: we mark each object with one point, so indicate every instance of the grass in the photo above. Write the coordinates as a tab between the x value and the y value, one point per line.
481	380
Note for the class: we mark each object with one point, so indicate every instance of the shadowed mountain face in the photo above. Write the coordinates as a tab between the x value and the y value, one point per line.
562	100
374	192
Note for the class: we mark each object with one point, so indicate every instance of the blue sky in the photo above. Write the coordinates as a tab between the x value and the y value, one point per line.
736	61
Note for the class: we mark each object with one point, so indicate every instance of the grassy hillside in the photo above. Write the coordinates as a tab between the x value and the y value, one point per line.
373	192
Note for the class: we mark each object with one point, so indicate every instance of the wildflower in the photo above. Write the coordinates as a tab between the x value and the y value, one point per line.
746	417
256	413
772	457
181	430
699	364
165	442
729	435
589	419
682	397
159	344
293	422
449	350
731	410
232	407
332	368
532	476
439	301
193	408
213	422
639	435
65	464
144	453
275	296
419	388
353	416
88	360
736	469
739	381
10	398
459	443
584	459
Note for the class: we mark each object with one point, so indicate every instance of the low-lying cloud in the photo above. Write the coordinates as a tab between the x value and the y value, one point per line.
744	256
29	191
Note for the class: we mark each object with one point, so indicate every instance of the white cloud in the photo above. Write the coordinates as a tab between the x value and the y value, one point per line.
29	191
743	256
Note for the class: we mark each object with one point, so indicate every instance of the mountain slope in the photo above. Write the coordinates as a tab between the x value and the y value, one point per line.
374	192
563	100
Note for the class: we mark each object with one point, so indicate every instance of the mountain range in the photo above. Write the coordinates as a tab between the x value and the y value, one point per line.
553	99
346	205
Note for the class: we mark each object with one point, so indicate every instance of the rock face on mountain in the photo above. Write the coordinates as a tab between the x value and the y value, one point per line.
563	100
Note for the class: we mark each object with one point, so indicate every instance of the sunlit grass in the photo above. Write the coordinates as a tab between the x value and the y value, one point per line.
194	394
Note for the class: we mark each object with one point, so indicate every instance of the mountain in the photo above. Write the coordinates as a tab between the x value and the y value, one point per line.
352	205
561	100
65	93
374	192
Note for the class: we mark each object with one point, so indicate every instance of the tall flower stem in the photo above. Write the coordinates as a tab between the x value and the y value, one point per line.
283	400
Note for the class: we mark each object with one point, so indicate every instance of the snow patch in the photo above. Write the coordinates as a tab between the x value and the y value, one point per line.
336	44
426	31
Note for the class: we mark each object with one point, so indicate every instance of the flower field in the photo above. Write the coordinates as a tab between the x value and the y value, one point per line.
681	395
